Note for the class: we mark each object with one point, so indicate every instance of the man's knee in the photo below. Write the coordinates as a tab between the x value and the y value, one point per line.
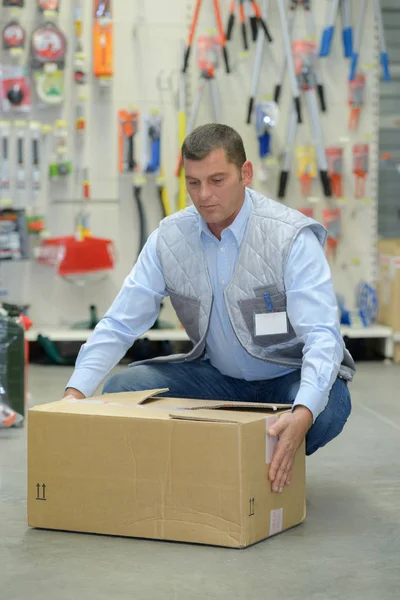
134	379
114	384
331	421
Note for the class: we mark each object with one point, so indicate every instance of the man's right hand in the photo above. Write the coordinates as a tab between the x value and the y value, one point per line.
73	393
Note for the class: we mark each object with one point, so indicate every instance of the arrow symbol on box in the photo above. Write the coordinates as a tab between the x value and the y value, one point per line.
44	491
38	490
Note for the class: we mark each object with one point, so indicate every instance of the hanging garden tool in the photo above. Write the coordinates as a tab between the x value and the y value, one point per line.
48	51
221	34
334	155
329	29
128	130
80	72
208	48
360	168
15	82
152	145
152	128
61	165
49	8
358	40
5	163
35	164
35	222
103	68
180	173
20	178
257	63
311	36
266	120
356	99
306	168
288	61
15	88
13	36
256	21
128	126
82	219
331	220
303	52
163	195
14	3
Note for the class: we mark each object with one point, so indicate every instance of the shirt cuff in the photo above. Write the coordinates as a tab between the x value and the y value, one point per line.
311	398
84	380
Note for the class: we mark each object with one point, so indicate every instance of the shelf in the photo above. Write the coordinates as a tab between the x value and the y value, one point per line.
58	334
375	331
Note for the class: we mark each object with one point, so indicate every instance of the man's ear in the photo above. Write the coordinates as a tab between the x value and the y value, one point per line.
247	173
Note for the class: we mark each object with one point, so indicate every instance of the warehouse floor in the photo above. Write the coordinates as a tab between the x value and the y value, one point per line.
348	548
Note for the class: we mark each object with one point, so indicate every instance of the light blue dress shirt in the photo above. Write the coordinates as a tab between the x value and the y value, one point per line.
311	308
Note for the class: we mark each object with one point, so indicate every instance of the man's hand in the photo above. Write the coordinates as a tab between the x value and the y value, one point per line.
291	429
73	393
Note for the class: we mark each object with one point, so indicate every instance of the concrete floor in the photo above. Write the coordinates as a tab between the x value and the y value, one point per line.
348	548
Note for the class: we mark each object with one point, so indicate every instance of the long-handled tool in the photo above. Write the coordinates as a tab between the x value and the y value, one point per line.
180	173
128	122
307	83
289	59
257	62
20	167
311	36
208	63
257	21
80	73
221	34
5	163
358	40
329	29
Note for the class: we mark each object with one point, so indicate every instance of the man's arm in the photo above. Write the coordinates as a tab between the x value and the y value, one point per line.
312	310
132	313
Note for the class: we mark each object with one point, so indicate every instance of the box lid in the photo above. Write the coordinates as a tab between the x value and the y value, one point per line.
144	404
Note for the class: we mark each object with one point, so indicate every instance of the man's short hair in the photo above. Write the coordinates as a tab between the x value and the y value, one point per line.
206	138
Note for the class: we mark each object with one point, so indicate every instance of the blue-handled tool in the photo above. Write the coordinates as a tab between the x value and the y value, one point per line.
358	38
329	29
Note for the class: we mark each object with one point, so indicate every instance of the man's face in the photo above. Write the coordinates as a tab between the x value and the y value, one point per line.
216	186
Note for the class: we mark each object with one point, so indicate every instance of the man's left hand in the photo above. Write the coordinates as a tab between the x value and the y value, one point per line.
291	429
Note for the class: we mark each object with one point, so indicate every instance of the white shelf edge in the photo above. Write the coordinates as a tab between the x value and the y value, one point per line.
81	335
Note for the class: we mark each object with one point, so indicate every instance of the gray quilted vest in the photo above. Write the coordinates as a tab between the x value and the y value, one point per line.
271	231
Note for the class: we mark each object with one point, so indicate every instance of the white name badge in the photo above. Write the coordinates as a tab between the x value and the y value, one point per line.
272	323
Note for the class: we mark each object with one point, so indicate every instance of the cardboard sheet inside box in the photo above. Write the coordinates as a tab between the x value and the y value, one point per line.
187	470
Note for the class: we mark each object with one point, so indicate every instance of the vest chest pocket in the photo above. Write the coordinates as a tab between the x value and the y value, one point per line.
258	306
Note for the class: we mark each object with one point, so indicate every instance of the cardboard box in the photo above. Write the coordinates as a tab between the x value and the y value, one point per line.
186	470
389	283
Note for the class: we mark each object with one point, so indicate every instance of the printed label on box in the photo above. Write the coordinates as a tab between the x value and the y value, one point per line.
276	521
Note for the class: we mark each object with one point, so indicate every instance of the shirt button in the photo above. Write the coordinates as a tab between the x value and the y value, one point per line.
222	249
223	281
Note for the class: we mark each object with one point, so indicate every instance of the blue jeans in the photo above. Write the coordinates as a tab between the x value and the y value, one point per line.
199	379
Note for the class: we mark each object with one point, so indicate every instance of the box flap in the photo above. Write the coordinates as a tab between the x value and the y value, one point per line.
228	412
127	399
247	406
203	416
122	398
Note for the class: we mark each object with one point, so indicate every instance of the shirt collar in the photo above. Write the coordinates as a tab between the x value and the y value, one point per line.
238	227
